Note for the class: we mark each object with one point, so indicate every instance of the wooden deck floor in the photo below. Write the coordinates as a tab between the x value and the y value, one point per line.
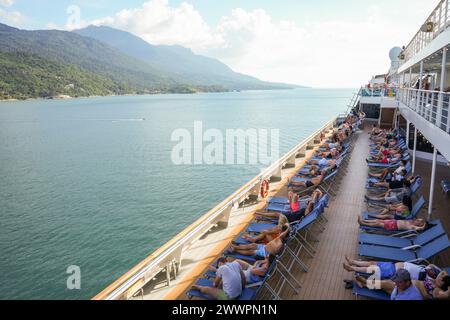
325	280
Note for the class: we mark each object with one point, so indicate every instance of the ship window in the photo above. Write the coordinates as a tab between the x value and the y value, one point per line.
371	110
422	143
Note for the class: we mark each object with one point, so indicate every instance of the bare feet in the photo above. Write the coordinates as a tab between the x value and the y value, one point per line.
349	261
347	267
359	220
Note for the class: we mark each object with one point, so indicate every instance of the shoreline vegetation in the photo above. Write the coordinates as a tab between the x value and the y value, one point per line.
101	61
68	97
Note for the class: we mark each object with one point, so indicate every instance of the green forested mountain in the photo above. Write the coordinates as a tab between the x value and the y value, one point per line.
187	66
25	75
49	63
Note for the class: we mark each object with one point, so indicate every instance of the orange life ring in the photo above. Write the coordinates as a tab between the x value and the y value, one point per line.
264	189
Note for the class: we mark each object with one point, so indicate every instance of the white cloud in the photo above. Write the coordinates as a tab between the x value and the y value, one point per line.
6	3
334	53
14	18
158	23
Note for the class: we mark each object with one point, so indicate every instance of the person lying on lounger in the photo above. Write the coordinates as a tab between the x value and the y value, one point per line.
333	154
269	235
396	183
386	270
402	287
375	130
298	215
228	284
385	159
393	195
253	273
316	181
330	146
399	211
383	175
260	250
395	225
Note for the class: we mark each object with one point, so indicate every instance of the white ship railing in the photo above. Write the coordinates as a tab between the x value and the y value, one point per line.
433	106
440	18
168	258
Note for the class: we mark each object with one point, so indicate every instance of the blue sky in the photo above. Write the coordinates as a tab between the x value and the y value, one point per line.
322	43
39	13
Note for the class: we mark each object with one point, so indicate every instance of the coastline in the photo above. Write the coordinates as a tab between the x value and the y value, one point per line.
140	94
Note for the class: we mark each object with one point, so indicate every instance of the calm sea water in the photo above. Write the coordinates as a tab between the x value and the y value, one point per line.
86	182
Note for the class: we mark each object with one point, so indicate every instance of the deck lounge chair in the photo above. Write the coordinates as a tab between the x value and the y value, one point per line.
373	294
400	243
418	182
418	206
426	252
247	294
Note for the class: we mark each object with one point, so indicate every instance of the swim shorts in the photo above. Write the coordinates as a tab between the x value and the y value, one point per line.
390	225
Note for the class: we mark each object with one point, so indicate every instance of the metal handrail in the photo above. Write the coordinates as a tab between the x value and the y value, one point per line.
153	263
440	18
433	106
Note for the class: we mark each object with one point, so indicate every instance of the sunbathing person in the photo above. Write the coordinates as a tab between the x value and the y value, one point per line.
386	270
254	273
375	130
393	196
403	287
330	145
399	211
262	251
228	284
395	225
329	155
385	159
397	183
383	175
267	236
322	162
298	215
316	181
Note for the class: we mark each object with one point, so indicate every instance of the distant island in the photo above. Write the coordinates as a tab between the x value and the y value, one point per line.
100	61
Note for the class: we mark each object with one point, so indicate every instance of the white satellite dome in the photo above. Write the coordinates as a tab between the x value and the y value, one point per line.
394	53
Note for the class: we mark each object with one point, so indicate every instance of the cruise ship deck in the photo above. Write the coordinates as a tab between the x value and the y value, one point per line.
414	97
325	280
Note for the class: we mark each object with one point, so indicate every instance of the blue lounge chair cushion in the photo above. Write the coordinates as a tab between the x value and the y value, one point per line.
386	241
247	294
392	254
385	253
279	200
373	294
260	227
283	208
434	248
250	259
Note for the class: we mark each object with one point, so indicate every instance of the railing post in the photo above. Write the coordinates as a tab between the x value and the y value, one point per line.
442	85
415	151
226	216
446	14
433	180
